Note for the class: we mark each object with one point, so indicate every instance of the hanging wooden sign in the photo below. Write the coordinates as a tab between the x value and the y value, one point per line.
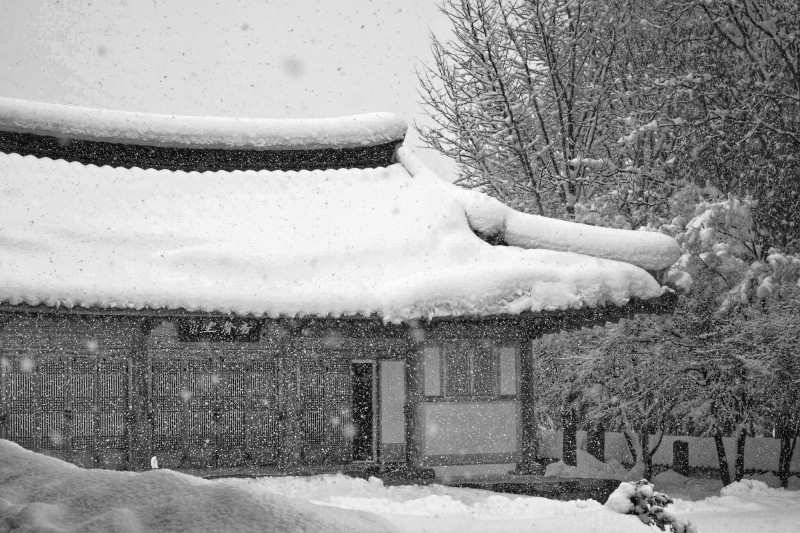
219	329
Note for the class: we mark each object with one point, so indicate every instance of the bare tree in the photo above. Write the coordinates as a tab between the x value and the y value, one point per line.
550	104
745	116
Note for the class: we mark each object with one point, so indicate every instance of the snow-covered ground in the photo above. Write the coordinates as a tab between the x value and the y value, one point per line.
39	493
747	506
670	482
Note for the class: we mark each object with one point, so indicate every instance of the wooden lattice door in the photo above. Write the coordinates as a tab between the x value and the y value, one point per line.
21	394
111	403
54	410
166	386
262	437
214	412
324	390
246	412
73	407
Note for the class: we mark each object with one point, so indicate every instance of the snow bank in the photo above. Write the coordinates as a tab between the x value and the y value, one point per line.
747	505
334	242
198	132
39	493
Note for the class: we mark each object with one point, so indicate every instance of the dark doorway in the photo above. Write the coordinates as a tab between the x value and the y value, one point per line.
362	411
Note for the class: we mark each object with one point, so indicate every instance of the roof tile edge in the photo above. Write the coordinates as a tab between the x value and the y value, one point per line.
105	125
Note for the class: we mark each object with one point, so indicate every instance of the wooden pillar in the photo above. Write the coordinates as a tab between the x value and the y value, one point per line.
288	402
4	369
289	415
140	409
529	447
569	436
412	408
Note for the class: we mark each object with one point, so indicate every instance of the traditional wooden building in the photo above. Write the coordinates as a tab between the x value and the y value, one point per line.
245	292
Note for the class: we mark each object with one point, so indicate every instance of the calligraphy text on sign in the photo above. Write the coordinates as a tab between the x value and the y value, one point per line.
218	329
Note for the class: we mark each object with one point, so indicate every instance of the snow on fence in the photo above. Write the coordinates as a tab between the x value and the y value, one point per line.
761	453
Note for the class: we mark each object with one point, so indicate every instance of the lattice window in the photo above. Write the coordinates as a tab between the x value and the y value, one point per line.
470	369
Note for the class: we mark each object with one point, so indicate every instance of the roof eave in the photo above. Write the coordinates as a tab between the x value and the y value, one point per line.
189	159
536	323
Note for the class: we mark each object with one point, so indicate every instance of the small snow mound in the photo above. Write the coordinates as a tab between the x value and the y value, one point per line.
680	280
747	487
589	467
375	482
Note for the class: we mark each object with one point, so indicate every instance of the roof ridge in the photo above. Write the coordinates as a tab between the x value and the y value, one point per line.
188	131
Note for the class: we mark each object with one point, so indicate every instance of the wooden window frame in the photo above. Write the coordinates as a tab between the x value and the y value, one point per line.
496	378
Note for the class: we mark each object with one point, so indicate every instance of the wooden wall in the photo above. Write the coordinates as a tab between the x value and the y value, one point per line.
227	404
190	404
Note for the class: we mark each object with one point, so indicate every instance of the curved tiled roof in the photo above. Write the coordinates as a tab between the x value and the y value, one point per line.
342	242
388	238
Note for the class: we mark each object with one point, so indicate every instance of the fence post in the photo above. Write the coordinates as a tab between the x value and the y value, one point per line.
569	445
680	457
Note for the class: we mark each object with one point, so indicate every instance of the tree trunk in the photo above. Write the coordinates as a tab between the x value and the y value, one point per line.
631	445
741	440
724	472
785	458
569	423
647	456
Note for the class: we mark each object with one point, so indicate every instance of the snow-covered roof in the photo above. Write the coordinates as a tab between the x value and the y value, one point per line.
149	129
394	241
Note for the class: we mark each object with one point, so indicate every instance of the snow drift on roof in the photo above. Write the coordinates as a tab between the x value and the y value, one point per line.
333	242
198	132
489	217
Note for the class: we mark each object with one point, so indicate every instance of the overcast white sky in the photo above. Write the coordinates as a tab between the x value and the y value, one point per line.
255	58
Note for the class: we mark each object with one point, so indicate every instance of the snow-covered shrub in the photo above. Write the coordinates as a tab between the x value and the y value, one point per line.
721	247
639	498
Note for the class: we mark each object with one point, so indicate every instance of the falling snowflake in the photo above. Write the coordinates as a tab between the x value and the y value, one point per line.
55	437
27	365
